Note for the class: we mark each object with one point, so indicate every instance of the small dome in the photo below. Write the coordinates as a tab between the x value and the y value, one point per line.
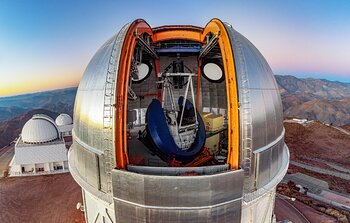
39	130
63	119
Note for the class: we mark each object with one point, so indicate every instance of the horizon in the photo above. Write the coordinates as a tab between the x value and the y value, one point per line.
76	86
47	45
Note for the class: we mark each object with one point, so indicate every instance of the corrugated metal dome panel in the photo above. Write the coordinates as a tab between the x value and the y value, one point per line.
258	91
63	119
94	114
39	130
261	112
90	100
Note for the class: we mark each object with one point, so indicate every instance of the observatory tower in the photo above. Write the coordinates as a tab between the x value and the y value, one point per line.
178	124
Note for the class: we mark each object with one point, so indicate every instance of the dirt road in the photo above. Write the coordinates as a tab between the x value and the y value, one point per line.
285	211
6	155
344	176
298	212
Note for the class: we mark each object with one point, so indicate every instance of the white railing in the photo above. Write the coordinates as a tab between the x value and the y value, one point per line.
19	174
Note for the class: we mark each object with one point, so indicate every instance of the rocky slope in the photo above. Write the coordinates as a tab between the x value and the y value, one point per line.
327	111
61	101
311	88
317	99
318	141
317	144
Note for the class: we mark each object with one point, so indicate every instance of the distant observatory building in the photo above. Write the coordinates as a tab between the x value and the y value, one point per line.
178	124
65	124
41	148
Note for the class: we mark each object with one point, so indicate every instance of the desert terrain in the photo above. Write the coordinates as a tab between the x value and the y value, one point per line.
319	163
47	198
319	145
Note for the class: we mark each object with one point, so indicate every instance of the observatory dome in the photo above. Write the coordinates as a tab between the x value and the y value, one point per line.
126	132
63	119
39	130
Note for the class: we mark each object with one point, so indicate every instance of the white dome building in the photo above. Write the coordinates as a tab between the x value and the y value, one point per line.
39	130
64	119
65	124
40	149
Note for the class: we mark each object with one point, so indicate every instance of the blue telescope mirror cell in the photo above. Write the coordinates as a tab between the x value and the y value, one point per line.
162	139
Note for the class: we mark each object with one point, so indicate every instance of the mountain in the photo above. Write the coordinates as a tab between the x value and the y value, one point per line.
7	113
316	99
15	111
10	130
61	101
311	88
327	111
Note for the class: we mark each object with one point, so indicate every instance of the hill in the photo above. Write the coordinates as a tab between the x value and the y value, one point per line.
327	111
318	141
311	88
61	101
316	99
322	148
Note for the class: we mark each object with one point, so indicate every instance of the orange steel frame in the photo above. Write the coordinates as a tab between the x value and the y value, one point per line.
120	134
215	26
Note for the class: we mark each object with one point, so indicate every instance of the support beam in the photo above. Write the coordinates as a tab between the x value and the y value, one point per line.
209	46
146	46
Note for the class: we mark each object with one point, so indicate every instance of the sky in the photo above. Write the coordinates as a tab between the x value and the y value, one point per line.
46	44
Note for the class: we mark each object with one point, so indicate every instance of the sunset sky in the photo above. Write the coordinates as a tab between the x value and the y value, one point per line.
47	44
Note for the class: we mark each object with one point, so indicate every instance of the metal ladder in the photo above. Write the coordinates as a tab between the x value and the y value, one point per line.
108	112
245	107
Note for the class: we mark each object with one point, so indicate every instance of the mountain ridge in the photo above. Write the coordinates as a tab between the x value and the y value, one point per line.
315	99
61	101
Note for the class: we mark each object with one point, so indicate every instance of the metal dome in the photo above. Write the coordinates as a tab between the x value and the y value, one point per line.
257	155
39	130
63	119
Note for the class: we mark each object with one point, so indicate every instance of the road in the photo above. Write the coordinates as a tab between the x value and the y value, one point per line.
286	211
344	176
342	130
333	165
6	155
